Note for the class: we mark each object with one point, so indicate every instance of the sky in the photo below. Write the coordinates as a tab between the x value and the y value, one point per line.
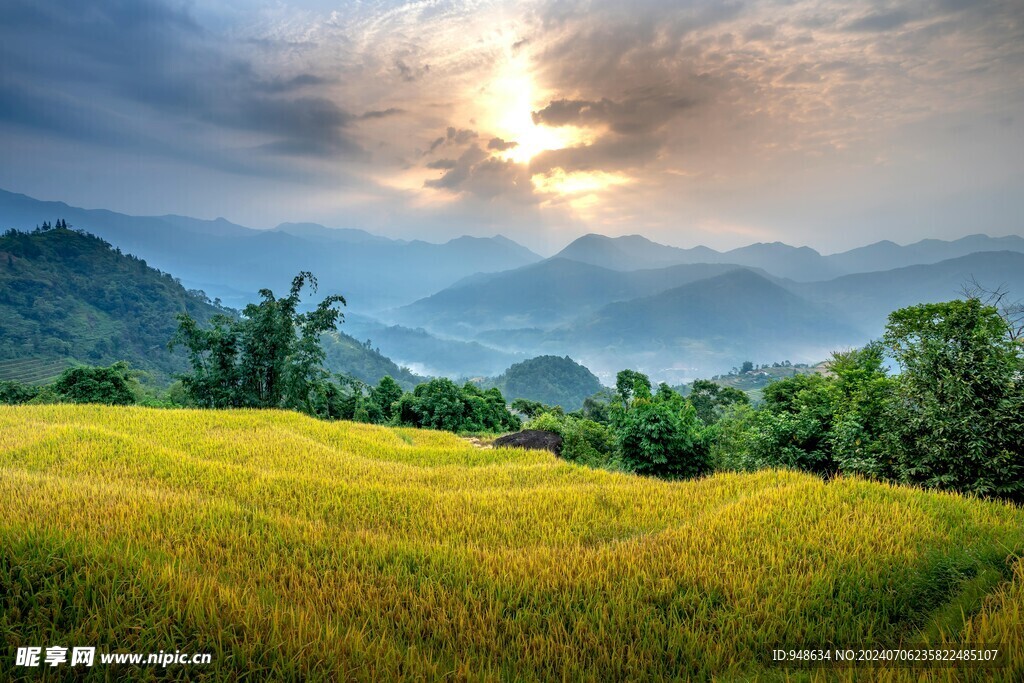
717	122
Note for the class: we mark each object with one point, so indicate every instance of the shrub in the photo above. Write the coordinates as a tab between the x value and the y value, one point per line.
583	441
15	393
657	438
112	385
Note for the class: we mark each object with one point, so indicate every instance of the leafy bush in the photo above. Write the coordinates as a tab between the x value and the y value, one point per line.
112	385
16	393
658	435
731	439
583	441
664	440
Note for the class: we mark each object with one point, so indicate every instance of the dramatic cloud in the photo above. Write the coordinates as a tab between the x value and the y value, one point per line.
810	121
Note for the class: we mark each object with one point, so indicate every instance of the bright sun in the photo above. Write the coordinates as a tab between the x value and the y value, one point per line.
511	105
508	104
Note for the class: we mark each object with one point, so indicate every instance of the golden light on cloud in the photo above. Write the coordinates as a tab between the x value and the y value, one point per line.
511	98
578	183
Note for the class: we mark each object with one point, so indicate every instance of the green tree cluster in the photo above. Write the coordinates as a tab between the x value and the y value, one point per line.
952	418
658	434
114	385
442	404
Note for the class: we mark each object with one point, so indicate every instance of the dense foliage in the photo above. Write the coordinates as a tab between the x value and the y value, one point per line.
658	434
114	385
958	414
710	400
441	404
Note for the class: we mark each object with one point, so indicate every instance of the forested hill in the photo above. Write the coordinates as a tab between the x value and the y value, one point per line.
552	380
68	298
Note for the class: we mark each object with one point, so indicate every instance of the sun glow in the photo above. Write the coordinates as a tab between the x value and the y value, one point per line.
512	99
577	183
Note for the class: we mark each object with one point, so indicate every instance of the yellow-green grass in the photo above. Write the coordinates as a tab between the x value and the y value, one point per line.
294	549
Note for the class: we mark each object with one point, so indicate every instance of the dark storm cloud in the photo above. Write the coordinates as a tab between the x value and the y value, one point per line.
459	173
631	116
442	164
105	56
459	136
453	137
612	153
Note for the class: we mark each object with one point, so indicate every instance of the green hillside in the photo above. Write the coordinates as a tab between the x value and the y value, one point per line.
348	356
69	298
293	549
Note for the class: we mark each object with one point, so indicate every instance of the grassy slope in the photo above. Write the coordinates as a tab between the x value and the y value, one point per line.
292	548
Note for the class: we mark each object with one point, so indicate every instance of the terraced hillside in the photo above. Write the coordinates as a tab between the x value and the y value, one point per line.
33	370
292	549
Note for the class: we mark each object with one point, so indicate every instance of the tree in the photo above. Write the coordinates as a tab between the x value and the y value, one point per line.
15	393
441	404
711	400
956	415
532	409
659	435
861	395
269	358
793	426
597	408
386	394
655	439
630	384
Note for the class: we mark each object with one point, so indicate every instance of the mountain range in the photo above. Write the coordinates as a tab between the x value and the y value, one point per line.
232	262
472	306
691	320
801	264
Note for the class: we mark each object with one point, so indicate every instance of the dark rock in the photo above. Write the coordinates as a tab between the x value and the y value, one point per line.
531	438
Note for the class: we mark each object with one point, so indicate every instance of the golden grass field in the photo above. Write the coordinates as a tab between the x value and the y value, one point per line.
294	549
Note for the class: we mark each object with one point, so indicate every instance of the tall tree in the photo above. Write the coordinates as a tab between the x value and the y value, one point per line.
269	358
959	399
